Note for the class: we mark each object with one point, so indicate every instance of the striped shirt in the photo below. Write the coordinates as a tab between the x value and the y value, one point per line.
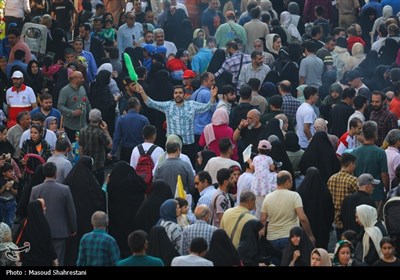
180	119
232	65
206	196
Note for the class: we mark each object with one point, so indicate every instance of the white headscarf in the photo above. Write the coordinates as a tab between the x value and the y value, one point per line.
286	19
368	217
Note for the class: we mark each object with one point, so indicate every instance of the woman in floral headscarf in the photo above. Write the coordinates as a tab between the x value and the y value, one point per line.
343	254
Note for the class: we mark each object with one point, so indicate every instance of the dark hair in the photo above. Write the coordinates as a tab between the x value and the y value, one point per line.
140	71
315	30
245	91
113	53
387	239
45	96
222	175
19	54
62	145
179	87
39	117
172	147
181	202
309	91
6	167
86	25
359	101
137	240
354	122
232	44
348	93
285	87
14	31
226	89
255	12
198	245
204	175
337	30
346	159
310	46
379	93
224	144
148	131
383	29
254	83
49	169
21	115
319	10
39	128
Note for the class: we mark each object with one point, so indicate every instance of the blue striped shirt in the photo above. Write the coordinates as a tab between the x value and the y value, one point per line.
180	119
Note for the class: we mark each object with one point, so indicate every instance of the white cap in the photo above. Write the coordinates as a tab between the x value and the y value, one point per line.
17	74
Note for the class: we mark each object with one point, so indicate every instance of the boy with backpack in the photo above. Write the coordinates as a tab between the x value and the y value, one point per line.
145	155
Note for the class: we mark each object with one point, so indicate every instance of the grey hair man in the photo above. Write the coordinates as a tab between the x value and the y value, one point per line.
88	254
93	140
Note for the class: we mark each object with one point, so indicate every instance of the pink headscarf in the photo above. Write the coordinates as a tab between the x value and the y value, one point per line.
219	117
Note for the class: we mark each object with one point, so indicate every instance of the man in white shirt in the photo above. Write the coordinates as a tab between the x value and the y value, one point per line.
305	117
198	249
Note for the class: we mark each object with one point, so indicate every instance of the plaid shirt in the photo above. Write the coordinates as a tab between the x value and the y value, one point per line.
341	185
98	248
290	106
199	229
94	141
232	65
180	118
386	121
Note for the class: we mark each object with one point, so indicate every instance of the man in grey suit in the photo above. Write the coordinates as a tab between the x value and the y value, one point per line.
60	213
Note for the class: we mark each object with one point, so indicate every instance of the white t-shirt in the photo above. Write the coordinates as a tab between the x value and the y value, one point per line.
305	114
146	146
191	260
217	163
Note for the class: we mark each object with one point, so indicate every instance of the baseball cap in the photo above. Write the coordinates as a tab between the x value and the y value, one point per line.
161	49
188	74
264	144
17	74
366	179
149	48
353	74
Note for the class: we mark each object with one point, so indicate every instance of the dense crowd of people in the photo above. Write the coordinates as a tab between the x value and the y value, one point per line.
200	133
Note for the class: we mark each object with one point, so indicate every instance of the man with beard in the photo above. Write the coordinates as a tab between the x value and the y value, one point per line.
255	69
46	107
385	119
250	131
180	115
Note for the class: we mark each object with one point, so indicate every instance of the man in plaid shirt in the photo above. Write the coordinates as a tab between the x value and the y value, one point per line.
385	119
180	115
341	185
98	248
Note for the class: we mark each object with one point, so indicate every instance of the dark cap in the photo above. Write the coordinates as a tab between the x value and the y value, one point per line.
353	74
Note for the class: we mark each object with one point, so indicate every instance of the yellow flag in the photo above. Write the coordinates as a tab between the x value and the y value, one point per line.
180	191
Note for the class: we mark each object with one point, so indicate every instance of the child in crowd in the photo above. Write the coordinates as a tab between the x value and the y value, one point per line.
186	218
388	250
8	193
75	149
263	164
